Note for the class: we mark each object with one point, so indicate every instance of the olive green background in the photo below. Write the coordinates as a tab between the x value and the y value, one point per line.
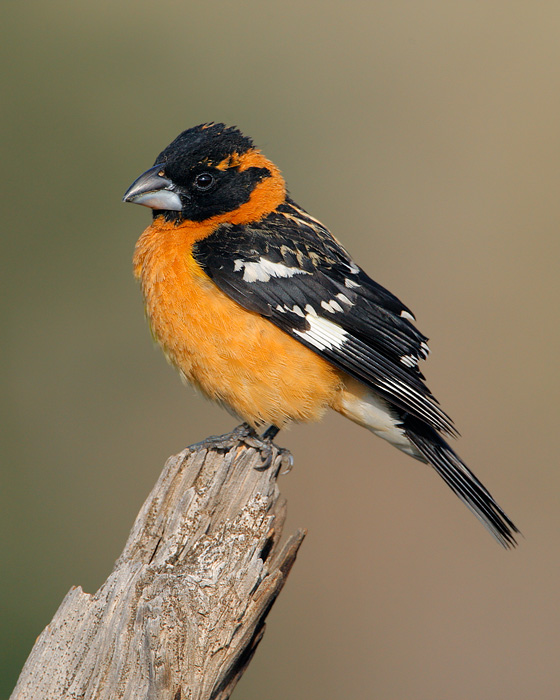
426	135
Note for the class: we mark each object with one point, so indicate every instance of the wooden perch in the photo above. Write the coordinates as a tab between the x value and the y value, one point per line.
183	611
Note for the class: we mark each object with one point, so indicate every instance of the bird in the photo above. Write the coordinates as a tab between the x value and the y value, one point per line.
260	307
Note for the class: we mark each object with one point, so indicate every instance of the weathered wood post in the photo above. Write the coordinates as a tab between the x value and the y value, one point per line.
183	611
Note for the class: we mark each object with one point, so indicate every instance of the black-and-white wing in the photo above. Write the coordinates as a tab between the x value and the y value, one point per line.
291	270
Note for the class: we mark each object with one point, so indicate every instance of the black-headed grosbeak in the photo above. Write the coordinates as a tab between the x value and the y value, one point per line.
261	308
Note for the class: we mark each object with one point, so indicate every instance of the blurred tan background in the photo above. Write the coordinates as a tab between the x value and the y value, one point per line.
426	135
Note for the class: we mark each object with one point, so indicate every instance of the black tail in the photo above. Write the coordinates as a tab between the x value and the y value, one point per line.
461	480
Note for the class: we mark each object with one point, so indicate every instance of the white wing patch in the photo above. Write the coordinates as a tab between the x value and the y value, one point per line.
344	299
335	304
323	333
331	306
296	310
407	315
262	270
409	360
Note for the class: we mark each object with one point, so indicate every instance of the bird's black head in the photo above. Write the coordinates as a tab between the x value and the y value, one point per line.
209	171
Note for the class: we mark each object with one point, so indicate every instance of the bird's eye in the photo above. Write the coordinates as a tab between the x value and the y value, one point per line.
204	181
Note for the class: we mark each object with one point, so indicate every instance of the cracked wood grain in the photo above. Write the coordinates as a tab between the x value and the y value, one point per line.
183	611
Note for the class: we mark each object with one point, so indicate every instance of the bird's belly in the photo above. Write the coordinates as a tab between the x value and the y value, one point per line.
234	356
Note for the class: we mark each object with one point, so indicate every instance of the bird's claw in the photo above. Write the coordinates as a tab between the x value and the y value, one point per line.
265	446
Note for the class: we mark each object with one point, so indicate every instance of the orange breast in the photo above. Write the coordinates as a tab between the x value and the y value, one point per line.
234	356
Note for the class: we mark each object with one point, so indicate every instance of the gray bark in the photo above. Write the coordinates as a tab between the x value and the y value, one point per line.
183	611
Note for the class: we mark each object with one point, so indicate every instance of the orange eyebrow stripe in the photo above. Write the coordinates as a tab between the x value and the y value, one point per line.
251	159
232	161
254	159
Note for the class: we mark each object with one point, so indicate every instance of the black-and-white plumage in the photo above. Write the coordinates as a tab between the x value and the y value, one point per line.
291	270
309	287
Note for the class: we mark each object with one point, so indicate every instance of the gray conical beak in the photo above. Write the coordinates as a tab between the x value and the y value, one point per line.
153	190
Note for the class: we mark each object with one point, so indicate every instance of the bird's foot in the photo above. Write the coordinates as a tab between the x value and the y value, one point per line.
265	445
244	431
267	440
